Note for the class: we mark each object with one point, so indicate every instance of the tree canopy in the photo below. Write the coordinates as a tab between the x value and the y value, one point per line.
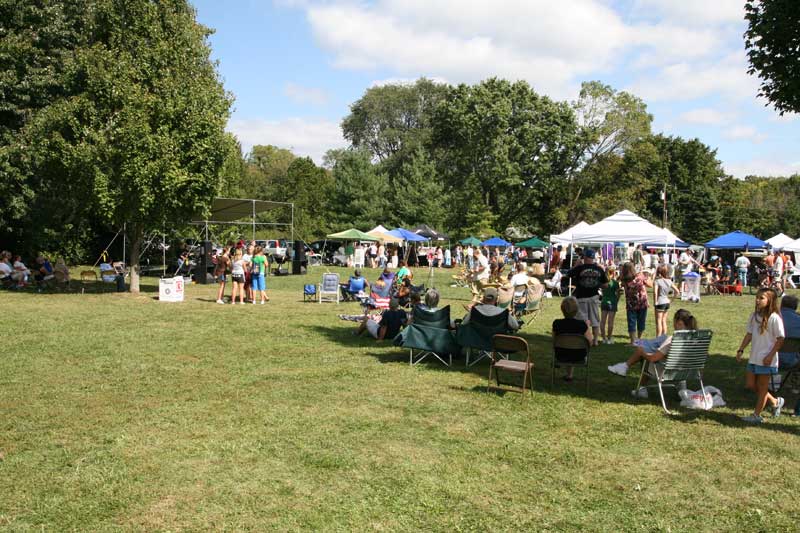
772	40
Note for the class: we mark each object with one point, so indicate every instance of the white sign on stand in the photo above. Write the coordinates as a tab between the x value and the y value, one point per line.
171	289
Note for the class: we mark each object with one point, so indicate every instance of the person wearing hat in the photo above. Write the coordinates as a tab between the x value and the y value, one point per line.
589	279
488	307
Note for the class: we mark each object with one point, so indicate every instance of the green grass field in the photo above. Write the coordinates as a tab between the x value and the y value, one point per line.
119	412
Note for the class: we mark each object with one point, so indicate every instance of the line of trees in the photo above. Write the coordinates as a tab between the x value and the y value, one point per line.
112	112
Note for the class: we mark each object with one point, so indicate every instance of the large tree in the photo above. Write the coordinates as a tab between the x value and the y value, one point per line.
772	40
505	148
361	195
137	134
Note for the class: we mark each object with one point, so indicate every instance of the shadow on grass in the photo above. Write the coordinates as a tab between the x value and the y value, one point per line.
726	418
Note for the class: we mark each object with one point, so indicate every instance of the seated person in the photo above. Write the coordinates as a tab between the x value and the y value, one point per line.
683	320
488	307
520	279
44	270
6	269
386	325
431	300
387	276
403	273
21	272
791	325
357	284
554	283
570	324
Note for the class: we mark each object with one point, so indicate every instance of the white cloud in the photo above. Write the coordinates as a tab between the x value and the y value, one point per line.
305	95
744	133
304	137
688	81
707	116
468	41
762	167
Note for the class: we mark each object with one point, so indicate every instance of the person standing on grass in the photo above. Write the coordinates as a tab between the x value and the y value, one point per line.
221	273
247	257
636	302
765	334
609	303
237	277
661	298
258	270
589	279
742	264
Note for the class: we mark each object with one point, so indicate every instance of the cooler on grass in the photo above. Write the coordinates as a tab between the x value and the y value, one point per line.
691	287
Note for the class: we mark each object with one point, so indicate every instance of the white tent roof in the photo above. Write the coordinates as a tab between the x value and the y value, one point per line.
779	241
379	229
793	246
624	226
566	236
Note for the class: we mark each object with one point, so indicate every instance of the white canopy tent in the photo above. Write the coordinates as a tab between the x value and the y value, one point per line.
793	246
566	236
624	226
780	241
378	229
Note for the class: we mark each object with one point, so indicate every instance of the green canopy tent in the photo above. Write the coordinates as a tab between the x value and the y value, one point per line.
352	234
470	241
533	242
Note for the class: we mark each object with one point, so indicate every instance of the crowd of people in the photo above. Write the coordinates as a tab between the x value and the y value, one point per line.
15	274
246	266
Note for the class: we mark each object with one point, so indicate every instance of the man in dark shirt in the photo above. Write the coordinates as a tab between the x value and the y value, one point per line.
387	325
589	279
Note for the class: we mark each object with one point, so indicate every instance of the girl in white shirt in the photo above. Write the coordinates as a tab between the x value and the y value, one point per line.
765	335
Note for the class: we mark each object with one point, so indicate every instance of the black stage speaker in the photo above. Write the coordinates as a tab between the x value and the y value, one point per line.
299	257
204	262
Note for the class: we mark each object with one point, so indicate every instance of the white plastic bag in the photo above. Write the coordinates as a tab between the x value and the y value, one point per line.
702	399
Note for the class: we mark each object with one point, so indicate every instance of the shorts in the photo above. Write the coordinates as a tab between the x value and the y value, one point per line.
637	320
222	278
611	307
589	310
373	327
661	307
259	283
761	370
237	279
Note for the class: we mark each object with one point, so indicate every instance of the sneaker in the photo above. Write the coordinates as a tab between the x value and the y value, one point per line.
620	369
752	419
776	411
263	302
609	341
641	392
220	301
254	302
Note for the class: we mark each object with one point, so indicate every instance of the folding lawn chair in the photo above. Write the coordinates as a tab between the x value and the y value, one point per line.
502	347
570	349
309	292
528	302
429	334
328	290
686	360
478	332
790	345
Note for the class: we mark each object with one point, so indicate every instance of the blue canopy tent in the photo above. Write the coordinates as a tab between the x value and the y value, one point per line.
495	241
407	235
736	240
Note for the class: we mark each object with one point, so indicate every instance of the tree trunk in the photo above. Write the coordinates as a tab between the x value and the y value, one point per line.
137	235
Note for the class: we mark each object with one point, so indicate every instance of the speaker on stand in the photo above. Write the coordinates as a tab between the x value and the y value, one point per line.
299	258
204	262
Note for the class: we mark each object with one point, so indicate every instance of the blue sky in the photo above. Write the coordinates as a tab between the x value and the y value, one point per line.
295	66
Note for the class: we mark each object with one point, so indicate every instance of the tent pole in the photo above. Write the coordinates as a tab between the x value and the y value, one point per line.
569	281
163	254
254	221
124	240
